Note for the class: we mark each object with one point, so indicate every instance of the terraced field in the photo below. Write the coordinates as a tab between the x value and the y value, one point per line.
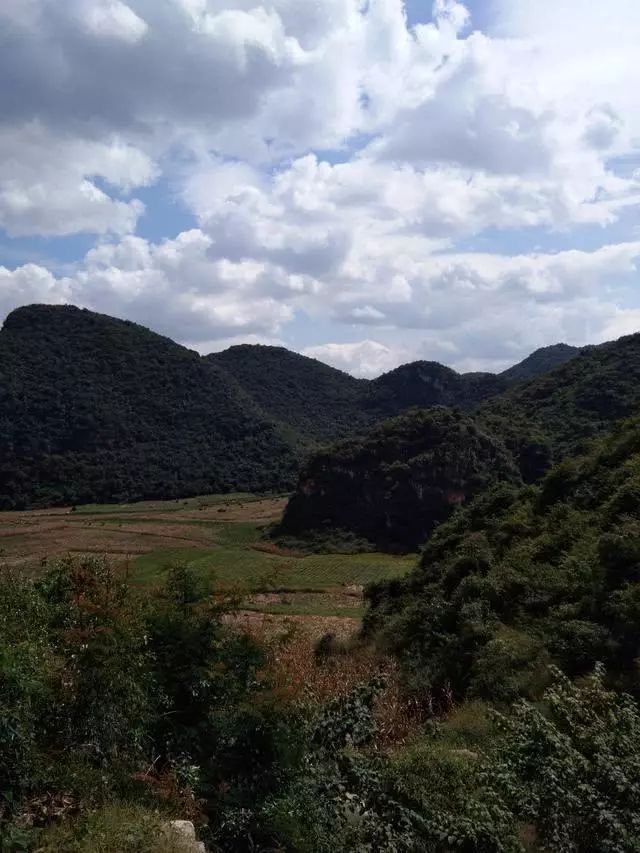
220	536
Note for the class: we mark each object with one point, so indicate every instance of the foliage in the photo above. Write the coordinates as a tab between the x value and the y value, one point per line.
113	828
381	488
96	685
393	486
315	402
572	768
168	716
540	362
521	578
95	409
555	414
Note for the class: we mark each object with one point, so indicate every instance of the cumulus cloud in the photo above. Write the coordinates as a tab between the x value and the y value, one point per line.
366	359
337	161
111	19
48	182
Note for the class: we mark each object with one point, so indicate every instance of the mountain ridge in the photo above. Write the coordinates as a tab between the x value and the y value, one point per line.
542	421
98	409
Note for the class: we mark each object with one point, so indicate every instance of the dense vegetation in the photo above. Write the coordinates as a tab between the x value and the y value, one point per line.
315	402
365	485
521	579
117	713
95	409
396	484
557	413
539	362
427	383
517	634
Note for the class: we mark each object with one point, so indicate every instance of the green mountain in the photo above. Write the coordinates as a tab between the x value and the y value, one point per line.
315	402
555	414
541	361
519	579
97	409
394	485
540	421
427	383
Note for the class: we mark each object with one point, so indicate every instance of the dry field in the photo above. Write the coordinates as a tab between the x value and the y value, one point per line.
288	600
220	536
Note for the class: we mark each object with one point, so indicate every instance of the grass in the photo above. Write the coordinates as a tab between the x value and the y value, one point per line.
178	505
296	609
234	562
116	828
219	536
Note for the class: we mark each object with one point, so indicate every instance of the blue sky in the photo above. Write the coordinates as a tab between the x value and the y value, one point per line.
326	177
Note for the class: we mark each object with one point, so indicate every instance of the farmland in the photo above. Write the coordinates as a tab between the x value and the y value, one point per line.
221	537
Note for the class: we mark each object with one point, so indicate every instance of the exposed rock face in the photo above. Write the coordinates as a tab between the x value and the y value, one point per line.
393	486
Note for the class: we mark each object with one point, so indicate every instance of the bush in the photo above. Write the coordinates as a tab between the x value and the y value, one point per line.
572	767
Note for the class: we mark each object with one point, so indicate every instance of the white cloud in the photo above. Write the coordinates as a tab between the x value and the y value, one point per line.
181	289
29	284
111	19
445	134
48	182
366	359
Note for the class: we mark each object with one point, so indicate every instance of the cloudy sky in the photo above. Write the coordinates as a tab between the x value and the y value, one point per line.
365	181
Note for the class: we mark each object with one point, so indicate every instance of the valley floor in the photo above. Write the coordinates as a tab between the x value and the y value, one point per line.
222	538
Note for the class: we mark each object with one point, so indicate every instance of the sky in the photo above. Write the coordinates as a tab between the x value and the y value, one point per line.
368	182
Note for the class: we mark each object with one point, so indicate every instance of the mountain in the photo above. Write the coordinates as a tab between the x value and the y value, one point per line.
557	413
541	361
97	409
394	485
360	486
314	402
519	579
427	383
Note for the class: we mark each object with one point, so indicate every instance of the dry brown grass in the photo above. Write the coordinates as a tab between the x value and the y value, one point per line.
297	675
272	548
26	538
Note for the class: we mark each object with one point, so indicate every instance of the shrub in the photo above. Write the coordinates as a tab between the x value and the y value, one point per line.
572	767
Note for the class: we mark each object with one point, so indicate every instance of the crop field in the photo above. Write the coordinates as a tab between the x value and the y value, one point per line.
220	536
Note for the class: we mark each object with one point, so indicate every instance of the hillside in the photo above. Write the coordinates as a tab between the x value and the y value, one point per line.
538	421
323	404
541	361
393	486
520	579
100	409
317	403
554	414
427	383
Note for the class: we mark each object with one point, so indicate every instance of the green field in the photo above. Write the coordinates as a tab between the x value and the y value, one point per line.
178	505
235	561
221	537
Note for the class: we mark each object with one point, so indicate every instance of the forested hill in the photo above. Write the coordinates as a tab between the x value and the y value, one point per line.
427	383
555	414
316	402
541	361
97	409
324	403
396	484
519	579
385	474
